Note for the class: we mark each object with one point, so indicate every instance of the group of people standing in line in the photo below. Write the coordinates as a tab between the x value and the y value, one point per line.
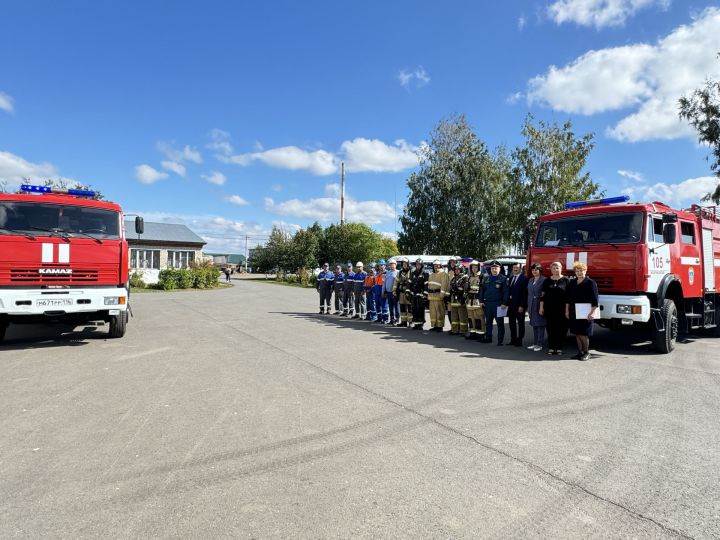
471	299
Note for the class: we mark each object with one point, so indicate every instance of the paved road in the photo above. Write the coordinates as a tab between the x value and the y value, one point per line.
240	412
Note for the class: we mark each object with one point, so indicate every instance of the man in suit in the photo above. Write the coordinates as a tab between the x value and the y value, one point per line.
518	305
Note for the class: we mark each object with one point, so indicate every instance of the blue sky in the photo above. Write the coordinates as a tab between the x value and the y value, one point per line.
233	116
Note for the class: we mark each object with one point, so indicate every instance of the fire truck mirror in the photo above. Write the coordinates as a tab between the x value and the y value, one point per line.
669	218
139	225
669	233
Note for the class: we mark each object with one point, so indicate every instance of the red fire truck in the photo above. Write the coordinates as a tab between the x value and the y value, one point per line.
63	257
655	267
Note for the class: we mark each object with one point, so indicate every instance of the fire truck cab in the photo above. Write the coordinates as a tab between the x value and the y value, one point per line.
655	267
64	258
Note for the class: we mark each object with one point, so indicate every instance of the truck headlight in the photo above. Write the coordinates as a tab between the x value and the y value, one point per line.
623	309
114	300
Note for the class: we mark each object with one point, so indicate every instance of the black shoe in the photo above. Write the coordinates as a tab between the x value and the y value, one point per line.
417	327
577	356
499	343
356	316
585	357
322	311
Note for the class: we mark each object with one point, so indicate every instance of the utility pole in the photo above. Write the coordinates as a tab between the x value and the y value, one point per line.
342	193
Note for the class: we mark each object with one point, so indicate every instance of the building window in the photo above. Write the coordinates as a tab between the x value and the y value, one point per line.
145	258
180	259
687	232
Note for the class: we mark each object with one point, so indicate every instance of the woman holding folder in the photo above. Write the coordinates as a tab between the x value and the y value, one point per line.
582	308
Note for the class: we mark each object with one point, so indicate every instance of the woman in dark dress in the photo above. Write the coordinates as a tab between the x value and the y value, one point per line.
553	301
582	290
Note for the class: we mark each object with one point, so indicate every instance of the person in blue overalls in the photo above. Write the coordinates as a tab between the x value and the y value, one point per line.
495	294
381	304
359	292
339	286
324	287
348	302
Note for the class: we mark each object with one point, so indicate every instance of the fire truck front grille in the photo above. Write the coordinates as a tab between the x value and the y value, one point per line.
604	283
32	277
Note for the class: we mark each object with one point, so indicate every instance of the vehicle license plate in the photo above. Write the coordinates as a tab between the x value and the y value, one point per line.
53	302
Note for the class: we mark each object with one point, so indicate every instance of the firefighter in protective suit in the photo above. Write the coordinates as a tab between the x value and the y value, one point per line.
452	263
418	290
438	288
476	312
401	290
458	291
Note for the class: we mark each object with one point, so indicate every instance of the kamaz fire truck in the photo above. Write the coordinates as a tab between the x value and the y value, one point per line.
655	267
64	258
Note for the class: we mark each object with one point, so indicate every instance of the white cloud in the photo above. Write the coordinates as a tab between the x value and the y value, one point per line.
214	177
6	102
599	13
359	155
417	77
650	78
677	195
15	170
187	153
632	175
173	166
236	199
332	190
147	175
522	22
328	209
277	188
318	162
374	155
220	142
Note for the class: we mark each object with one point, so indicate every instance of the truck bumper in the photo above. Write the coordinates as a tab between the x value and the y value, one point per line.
58	302
620	307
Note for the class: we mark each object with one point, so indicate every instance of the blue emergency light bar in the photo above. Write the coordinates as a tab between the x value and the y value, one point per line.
606	200
47	189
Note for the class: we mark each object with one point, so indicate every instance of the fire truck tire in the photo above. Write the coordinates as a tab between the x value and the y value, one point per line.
118	323
664	341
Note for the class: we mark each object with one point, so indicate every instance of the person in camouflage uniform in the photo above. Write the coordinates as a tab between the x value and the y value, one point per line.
459	287
476	312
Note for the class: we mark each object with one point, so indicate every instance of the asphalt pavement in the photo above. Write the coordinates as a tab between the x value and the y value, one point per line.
243	413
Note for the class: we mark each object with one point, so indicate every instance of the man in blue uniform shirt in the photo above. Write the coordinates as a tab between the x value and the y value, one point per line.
495	295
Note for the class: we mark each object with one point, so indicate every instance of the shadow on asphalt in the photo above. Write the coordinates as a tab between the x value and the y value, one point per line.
40	336
625	344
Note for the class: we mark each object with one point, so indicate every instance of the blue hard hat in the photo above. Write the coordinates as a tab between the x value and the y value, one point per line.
372	265
381	261
349	265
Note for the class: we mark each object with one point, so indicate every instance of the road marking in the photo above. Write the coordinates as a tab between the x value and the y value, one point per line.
144	353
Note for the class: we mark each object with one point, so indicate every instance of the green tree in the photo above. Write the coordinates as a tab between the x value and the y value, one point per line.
547	173
350	242
458	199
305	247
275	254
702	110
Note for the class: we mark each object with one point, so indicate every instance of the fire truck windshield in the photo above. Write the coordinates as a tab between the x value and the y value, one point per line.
610	228
41	219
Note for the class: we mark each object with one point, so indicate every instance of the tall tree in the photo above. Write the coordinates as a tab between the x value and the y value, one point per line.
458	197
702	111
305	248
351	242
547	173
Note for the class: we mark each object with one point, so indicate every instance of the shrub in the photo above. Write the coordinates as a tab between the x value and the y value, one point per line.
168	279
205	277
136	280
184	278
304	277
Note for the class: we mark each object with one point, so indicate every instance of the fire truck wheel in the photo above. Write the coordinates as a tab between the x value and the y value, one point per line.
118	323
664	342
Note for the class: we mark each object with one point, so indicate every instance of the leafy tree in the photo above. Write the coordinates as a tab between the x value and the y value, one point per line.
276	254
547	173
388	248
351	242
702	111
458	198
305	248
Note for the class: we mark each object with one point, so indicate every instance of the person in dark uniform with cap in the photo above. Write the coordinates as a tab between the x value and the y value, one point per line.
339	287
495	294
348	302
324	287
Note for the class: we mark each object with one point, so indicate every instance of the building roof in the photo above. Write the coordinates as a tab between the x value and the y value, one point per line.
162	232
231	258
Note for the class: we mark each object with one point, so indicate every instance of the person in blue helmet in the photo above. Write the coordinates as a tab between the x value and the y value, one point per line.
324	287
381	303
339	287
348	302
370	293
